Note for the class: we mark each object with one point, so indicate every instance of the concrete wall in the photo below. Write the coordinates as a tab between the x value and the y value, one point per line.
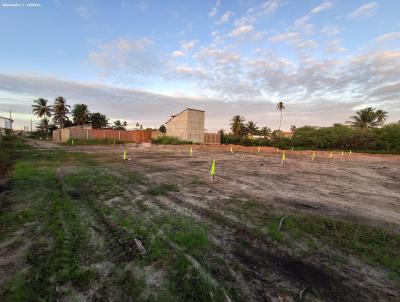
188	125
135	136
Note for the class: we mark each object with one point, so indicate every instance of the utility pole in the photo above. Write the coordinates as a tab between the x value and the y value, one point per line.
10	120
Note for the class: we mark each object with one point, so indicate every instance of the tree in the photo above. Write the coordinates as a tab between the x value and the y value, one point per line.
118	125
80	114
265	132
40	108
293	129
98	120
44	126
162	129
61	111
364	118
381	116
251	128
237	125
280	106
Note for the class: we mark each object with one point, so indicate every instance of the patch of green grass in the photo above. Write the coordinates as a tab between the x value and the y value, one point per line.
162	189
373	245
102	141
170	140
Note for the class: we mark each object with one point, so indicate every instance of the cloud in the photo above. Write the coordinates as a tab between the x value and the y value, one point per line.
241	30
365	10
189	45
178	53
323	6
135	56
257	12
335	46
214	10
388	37
330	30
225	17
284	37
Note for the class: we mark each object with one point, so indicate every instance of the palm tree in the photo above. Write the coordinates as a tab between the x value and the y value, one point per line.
292	129
80	114
265	132
40	108
61	111
280	106
381	116
98	120
118	125
251	128
44	126
237	125
364	118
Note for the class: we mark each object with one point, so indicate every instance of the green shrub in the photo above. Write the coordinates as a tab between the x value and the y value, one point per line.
169	140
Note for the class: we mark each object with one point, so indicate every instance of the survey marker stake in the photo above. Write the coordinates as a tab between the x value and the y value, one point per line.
283	159
313	155
330	154
124	157
191	151
212	170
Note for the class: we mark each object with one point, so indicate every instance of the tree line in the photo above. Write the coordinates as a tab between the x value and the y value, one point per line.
57	116
365	130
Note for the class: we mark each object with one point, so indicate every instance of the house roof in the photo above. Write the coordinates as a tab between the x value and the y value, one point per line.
172	116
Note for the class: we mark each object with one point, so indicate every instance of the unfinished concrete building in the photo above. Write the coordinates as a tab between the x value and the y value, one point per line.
187	125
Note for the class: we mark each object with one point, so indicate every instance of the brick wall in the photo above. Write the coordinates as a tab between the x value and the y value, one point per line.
135	136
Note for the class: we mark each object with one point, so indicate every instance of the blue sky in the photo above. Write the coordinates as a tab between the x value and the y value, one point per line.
145	60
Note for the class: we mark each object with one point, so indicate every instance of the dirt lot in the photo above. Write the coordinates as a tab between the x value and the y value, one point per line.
155	227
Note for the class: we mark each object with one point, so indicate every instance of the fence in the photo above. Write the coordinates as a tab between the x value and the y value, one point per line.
212	138
135	136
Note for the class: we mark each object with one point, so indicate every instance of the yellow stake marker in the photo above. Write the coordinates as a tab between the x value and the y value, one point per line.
292	149
258	149
212	170
349	152
313	155
330	154
283	157
124	157
191	151
72	142
231	150
342	153
277	149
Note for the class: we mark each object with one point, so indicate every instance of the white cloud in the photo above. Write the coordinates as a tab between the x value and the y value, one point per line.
241	30
388	37
323	6
284	37
189	45
335	46
214	10
134	56
178	53
365	10
225	17
330	30
305	44
257	12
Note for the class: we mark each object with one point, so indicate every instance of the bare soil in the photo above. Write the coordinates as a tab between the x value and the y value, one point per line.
248	183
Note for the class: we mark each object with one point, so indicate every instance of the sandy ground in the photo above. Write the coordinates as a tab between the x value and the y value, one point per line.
356	187
364	186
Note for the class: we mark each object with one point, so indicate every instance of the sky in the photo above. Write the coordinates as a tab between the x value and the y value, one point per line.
142	61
